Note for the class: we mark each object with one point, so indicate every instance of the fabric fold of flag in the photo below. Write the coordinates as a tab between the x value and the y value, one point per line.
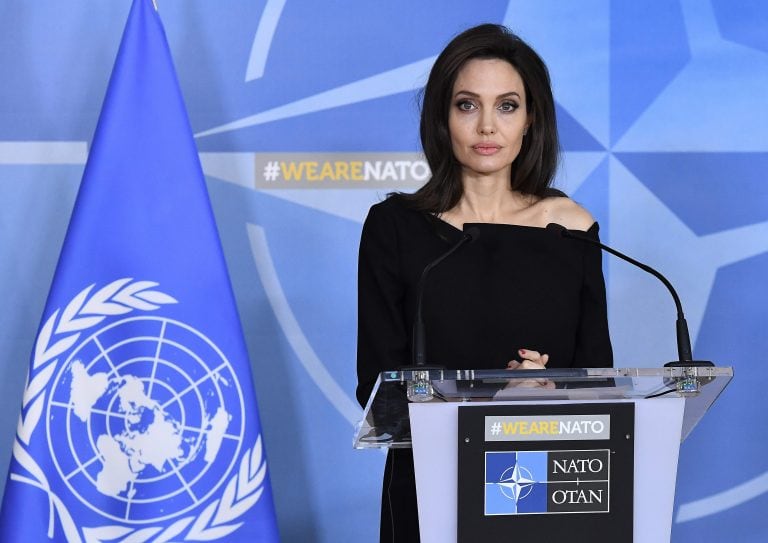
139	420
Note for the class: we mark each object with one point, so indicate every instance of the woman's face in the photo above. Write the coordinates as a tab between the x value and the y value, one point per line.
487	117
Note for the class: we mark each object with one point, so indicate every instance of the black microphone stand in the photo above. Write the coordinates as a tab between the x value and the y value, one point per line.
684	351
420	386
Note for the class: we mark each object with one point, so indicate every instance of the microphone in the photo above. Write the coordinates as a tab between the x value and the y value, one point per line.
684	351
419	353
419	387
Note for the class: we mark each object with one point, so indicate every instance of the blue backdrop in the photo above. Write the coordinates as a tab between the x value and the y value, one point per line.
306	114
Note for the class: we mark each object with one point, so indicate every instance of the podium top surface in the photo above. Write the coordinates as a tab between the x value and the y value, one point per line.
386	424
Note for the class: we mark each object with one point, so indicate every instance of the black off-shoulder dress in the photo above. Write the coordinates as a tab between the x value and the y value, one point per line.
514	287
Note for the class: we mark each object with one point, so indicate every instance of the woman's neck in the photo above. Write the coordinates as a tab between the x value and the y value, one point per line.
490	201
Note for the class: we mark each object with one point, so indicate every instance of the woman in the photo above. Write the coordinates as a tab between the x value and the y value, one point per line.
517	296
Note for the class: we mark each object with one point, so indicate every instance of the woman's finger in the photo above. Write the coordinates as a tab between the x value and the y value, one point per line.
528	354
531	365
534	356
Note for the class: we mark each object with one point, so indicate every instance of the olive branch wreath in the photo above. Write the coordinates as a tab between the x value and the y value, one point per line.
59	333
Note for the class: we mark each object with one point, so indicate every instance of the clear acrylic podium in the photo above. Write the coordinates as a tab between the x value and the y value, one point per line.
418	409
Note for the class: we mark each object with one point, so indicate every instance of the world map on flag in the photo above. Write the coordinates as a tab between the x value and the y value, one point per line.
145	419
152	437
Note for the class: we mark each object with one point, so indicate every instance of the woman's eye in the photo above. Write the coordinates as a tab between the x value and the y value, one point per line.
465	105
508	106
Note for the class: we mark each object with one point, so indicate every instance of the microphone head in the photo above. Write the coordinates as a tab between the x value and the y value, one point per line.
556	229
472	233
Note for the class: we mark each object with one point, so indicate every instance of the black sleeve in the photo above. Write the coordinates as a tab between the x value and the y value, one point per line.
593	344
382	338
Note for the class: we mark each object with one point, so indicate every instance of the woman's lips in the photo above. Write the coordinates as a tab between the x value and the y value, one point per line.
486	148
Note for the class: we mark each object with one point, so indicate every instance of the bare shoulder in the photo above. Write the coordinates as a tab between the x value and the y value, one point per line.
564	211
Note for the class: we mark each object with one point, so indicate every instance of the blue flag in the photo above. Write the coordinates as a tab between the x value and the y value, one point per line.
139	420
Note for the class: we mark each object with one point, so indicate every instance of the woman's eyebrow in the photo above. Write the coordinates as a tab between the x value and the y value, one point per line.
475	95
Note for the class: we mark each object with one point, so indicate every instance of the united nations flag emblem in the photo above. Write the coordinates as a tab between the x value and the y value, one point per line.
151	421
141	418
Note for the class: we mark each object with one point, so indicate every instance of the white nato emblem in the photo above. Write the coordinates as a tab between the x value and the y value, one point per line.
516	482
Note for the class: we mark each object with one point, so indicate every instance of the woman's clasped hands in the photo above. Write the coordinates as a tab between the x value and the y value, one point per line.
529	360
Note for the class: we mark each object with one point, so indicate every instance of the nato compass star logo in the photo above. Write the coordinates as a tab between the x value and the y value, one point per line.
515	482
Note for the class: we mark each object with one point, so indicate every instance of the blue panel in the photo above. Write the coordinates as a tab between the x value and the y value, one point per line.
708	191
573	136
727	449
648	48
44	94
743	21
316	48
385	124
593	195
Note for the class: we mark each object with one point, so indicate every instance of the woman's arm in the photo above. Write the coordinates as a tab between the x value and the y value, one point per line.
593	343
382	335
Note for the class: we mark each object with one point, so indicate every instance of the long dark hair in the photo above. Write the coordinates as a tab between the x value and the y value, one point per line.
534	168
